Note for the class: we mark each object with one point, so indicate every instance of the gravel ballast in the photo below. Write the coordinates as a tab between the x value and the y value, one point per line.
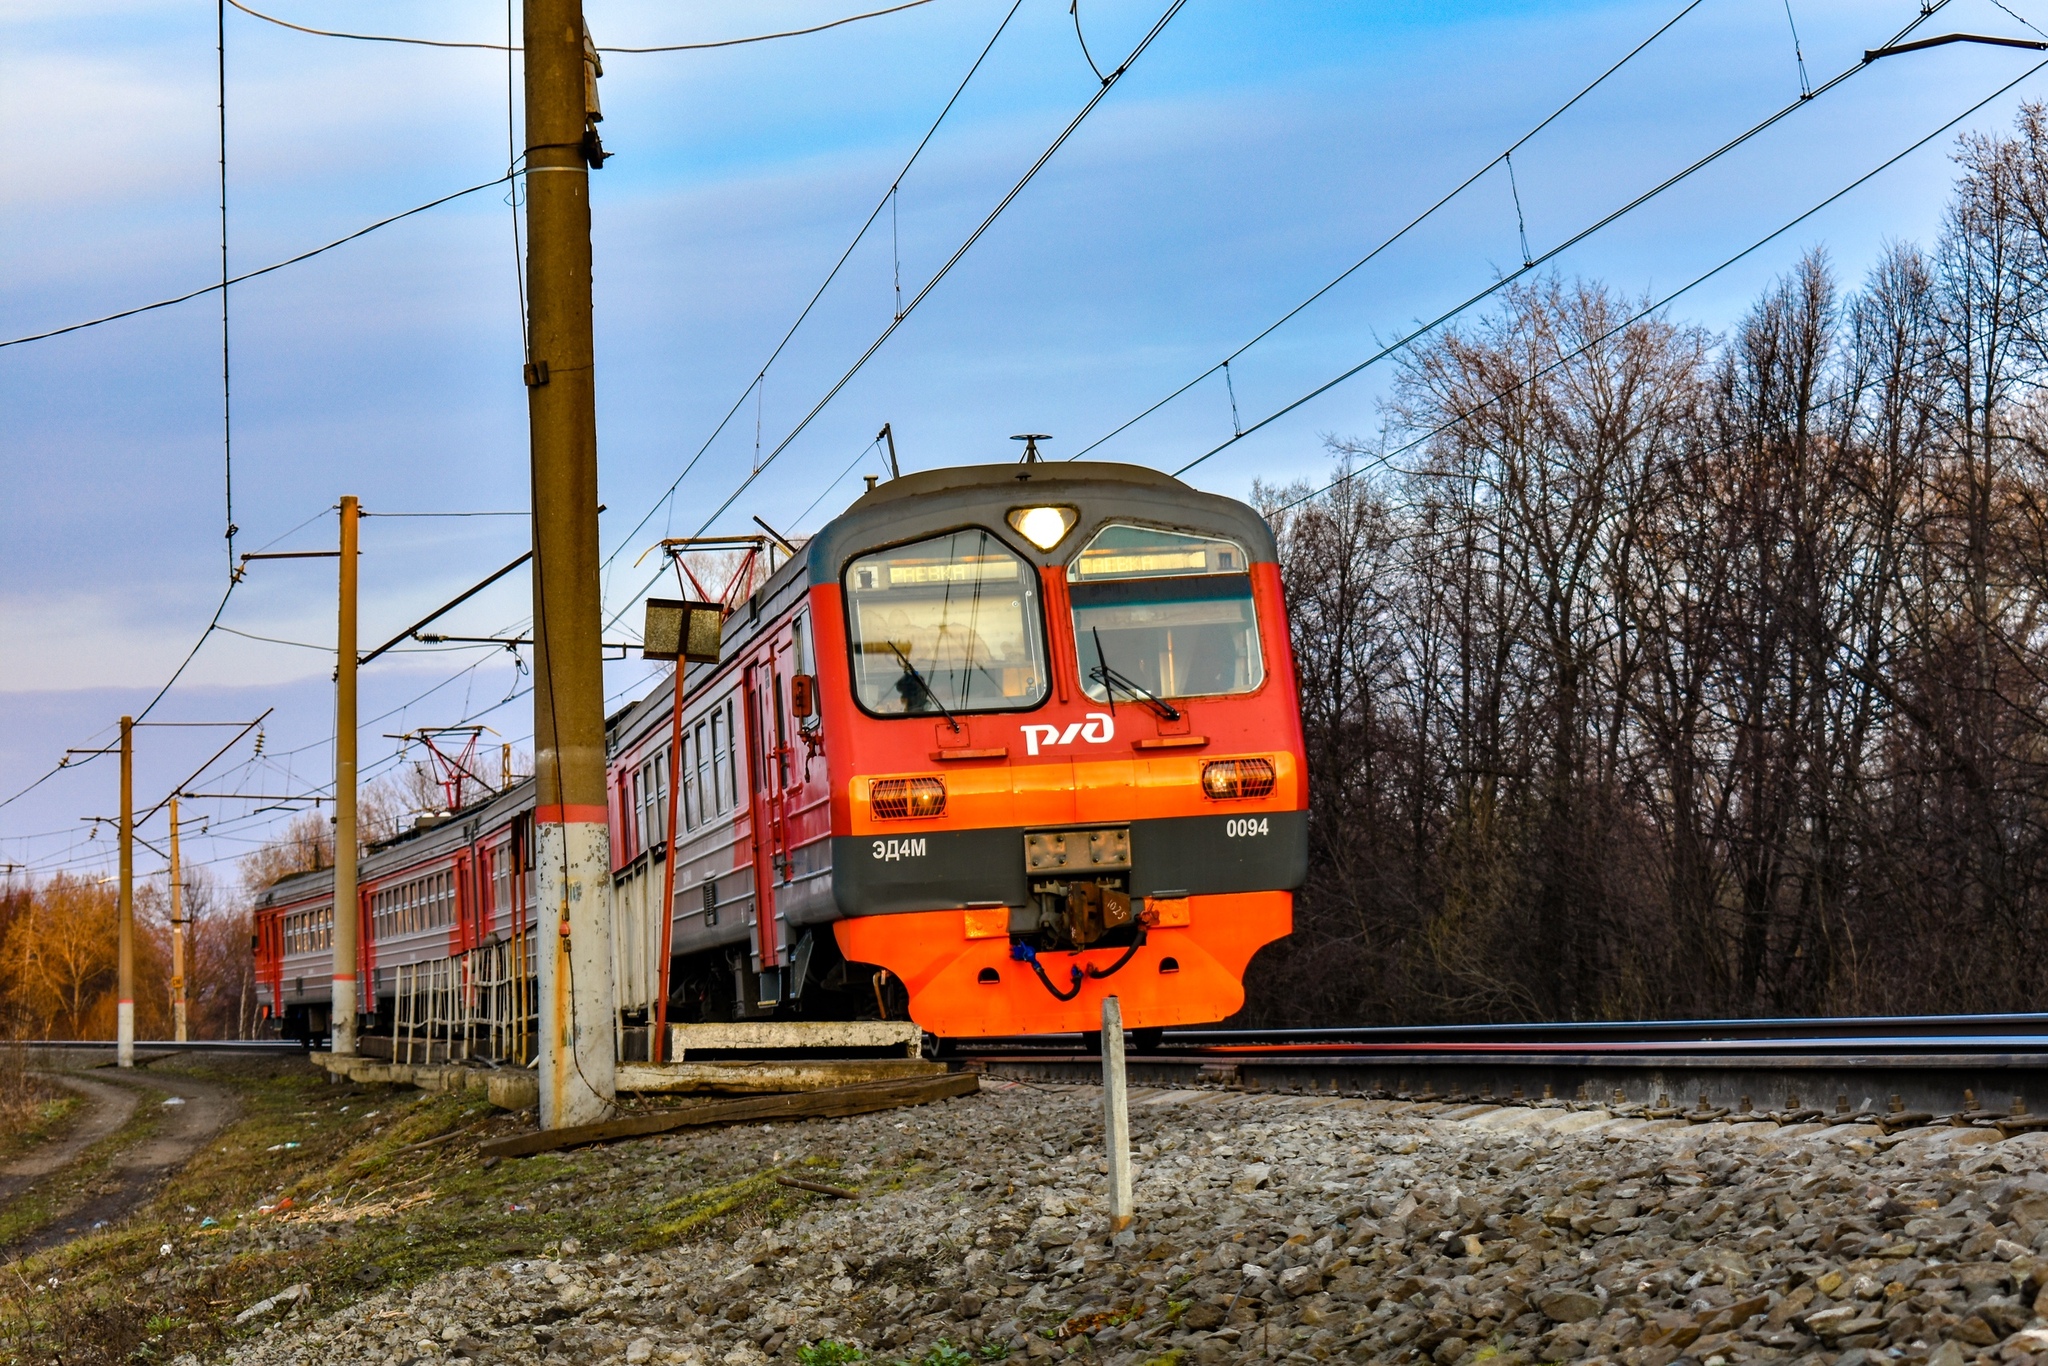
1277	1228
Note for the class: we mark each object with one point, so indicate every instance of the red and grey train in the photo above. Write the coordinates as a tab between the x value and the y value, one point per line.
999	741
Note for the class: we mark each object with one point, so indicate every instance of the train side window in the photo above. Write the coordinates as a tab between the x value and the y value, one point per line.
707	801
732	756
686	794
1164	614
654	800
633	835
777	686
718	756
949	624
661	792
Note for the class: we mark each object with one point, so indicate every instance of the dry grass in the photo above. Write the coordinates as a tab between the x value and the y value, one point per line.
31	1105
23	1094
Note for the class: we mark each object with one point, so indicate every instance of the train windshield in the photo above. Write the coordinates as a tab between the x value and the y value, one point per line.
945	625
1163	614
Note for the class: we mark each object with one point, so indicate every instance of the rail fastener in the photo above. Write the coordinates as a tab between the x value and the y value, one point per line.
2019	1121
1897	1117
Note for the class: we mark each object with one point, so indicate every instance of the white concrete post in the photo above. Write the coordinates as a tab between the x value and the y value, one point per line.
1116	1115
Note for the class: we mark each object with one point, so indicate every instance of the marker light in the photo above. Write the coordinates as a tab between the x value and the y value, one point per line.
1044	527
1226	779
895	799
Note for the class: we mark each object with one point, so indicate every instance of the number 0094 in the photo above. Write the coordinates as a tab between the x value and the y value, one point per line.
1246	826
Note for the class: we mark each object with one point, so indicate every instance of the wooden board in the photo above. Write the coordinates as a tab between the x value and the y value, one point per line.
828	1103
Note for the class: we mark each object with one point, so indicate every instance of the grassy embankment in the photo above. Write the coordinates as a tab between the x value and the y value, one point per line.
349	1188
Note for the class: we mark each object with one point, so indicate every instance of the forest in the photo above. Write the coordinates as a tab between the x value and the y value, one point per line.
1652	673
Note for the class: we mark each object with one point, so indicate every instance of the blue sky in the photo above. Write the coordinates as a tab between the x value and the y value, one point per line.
1252	153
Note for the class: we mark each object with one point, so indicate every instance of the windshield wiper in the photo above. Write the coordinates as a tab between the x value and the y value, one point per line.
1111	680
910	672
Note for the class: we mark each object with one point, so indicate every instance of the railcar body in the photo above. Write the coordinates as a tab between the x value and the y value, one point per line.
443	914
1000	741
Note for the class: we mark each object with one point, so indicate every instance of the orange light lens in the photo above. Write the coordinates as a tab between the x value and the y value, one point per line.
1229	779
897	799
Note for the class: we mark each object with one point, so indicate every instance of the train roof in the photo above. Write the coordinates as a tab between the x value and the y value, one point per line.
933	501
418	845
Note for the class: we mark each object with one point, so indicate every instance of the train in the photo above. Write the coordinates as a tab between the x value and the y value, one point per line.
995	742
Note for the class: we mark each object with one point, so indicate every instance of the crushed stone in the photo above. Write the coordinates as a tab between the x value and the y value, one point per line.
1287	1229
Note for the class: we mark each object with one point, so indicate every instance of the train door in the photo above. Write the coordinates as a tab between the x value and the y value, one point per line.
366	953
768	762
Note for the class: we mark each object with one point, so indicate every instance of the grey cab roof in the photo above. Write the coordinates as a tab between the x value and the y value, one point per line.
932	501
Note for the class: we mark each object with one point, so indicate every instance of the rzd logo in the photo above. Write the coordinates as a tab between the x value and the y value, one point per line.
1098	729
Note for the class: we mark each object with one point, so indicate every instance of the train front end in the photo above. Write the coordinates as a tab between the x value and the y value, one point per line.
1065	744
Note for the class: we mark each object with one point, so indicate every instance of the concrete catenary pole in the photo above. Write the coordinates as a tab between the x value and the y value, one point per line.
177	933
572	855
124	1000
342	1012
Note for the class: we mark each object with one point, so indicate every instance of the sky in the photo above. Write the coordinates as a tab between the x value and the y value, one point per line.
1252	153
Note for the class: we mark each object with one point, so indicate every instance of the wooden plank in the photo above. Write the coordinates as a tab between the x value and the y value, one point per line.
759	1077
828	1103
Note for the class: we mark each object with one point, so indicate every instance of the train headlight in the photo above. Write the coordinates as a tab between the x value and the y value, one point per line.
1225	779
1044	527
897	799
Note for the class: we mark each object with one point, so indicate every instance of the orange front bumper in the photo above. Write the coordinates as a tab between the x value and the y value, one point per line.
1192	974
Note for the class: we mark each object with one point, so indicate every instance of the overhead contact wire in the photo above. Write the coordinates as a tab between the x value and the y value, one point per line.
1566	245
1108	84
1381	460
260	270
513	47
830	276
1401	232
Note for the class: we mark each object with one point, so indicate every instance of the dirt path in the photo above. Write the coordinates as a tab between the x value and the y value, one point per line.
192	1112
107	1109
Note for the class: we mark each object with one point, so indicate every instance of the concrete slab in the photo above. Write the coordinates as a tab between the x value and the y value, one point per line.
745	1078
794	1036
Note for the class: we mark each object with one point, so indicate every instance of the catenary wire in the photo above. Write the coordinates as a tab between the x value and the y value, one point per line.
63	764
260	270
819	293
1648	310
1398	234
839	479
1543	258
511	47
1047	155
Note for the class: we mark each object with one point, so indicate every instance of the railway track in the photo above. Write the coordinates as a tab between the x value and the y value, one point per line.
1932	1066
158	1047
1873	1066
